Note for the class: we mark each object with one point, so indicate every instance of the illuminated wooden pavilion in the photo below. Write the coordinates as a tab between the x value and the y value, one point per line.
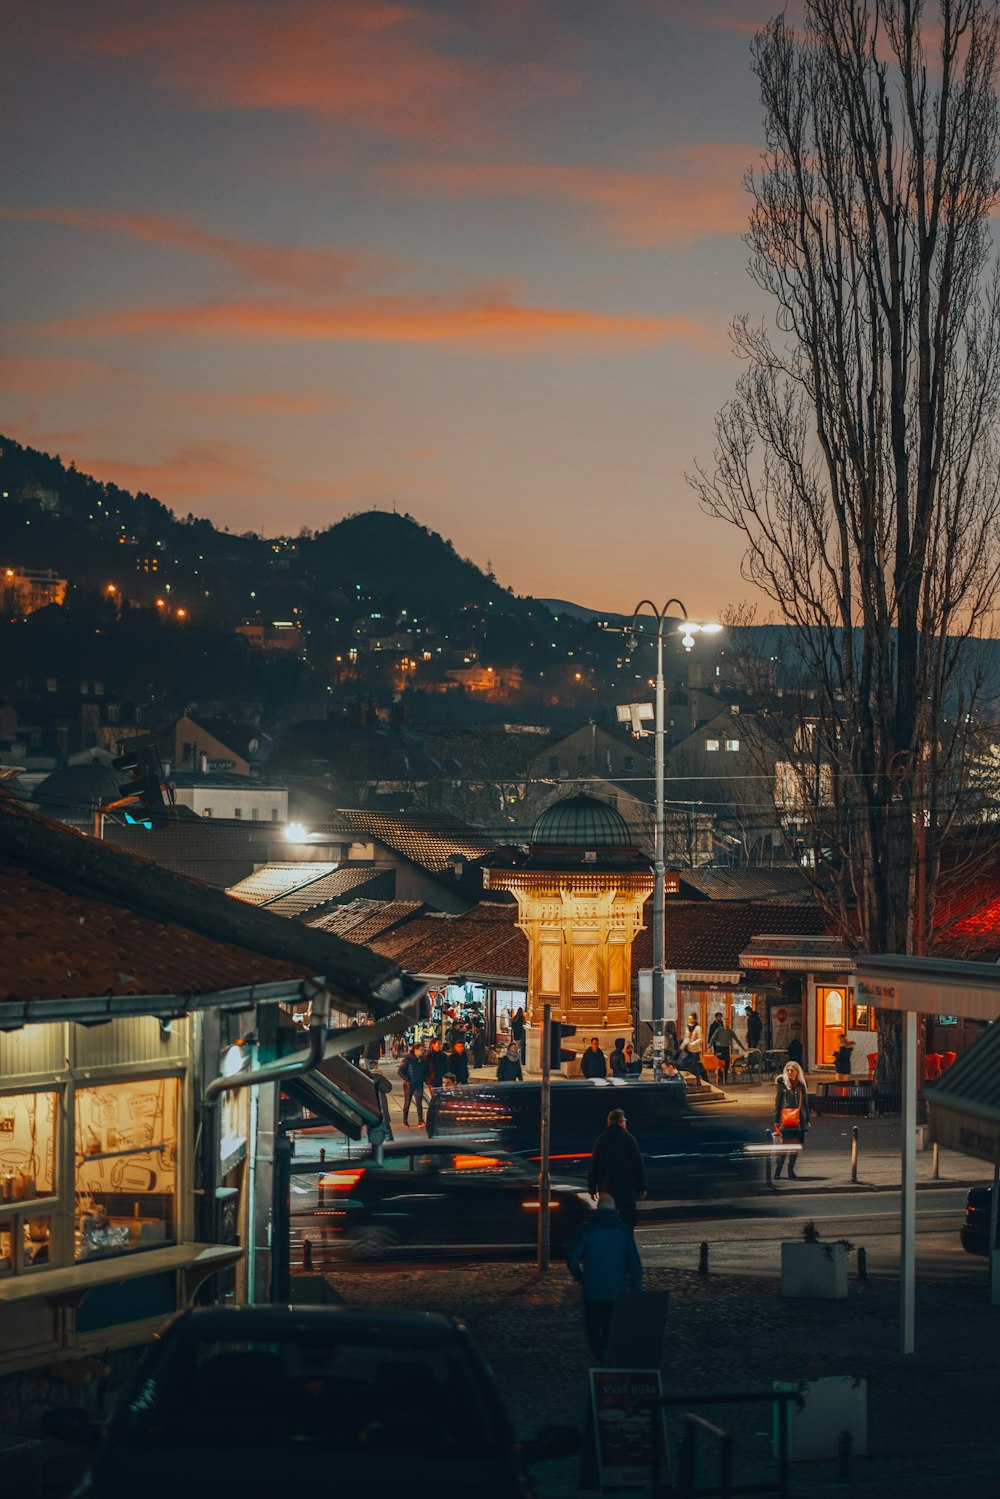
580	892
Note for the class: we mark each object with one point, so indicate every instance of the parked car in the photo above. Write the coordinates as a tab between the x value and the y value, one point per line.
254	1400
437	1195
689	1150
975	1231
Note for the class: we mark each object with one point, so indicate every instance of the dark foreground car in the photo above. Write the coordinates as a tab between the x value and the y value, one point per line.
435	1196
975	1231
259	1401
689	1149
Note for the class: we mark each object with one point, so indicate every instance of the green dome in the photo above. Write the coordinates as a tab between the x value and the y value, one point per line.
581	822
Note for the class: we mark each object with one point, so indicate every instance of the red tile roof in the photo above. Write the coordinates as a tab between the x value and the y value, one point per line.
708	936
426	838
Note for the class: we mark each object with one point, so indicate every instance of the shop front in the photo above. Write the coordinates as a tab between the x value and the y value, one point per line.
810	997
97	1238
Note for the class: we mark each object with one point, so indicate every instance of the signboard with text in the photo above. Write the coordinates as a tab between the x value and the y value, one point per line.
625	1429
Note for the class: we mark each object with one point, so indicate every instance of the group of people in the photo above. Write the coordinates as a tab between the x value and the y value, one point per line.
425	1069
623	1061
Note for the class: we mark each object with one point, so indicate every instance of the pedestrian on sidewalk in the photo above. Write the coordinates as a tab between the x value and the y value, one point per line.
618	1067
460	1062
437	1065
755	1029
517	1030
691	1048
791	1115
413	1070
842	1057
594	1063
616	1167
604	1260
723	1041
509	1069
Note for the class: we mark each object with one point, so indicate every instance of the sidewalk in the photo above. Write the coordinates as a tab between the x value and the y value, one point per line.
824	1164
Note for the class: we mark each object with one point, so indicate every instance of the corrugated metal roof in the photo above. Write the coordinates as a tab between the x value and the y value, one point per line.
275	880
964	1104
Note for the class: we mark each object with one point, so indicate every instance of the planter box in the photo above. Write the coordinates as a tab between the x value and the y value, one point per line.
818	1271
832	1406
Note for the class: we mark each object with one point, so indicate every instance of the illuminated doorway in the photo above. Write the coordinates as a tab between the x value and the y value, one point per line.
831	1019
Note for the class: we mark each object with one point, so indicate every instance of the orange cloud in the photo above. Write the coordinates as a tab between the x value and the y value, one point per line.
198	469
257	403
698	195
399	69
490	321
291	266
33	374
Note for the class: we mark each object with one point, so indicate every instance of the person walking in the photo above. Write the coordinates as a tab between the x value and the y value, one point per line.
724	1040
517	1030
692	1046
413	1070
716	1025
755	1029
509	1069
594	1063
437	1065
460	1062
603	1259
618	1064
791	1115
616	1167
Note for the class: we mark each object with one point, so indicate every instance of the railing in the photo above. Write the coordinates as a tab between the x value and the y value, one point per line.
687	1452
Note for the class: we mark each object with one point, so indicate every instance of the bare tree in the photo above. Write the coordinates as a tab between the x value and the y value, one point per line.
859	456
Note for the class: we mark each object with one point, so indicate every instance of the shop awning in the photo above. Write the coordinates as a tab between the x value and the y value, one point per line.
964	1104
339	1093
929	986
795	954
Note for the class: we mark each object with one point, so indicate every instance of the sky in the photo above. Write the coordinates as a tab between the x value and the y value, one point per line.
280	261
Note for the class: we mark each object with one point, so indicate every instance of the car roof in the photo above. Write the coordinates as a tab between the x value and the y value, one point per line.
246	1321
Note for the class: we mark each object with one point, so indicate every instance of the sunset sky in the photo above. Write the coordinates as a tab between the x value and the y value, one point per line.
276	261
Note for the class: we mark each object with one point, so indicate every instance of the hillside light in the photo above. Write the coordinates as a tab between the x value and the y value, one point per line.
635	714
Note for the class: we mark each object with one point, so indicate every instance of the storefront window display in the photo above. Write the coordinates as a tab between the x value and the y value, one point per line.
126	1166
29	1124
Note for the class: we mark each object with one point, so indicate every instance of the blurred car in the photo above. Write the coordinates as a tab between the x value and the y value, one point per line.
434	1196
254	1400
975	1231
688	1149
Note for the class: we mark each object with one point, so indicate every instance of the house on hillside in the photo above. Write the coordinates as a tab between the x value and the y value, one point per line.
206	744
224	794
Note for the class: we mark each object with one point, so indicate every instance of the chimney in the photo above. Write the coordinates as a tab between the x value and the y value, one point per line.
203	763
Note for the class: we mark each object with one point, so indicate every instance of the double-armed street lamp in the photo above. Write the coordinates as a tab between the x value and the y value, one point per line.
687	630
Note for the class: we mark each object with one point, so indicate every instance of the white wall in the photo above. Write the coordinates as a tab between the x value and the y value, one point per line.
224	802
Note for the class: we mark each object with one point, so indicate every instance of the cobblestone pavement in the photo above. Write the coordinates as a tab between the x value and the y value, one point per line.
931	1415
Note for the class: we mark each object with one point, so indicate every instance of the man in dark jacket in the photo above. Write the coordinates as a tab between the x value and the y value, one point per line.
616	1168
594	1063
460	1062
413	1071
755	1029
437	1065
618	1066
603	1257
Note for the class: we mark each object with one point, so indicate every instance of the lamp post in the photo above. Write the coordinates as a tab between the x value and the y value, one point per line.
688	631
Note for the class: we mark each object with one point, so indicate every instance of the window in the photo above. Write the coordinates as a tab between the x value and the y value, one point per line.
732	744
114	713
711	744
274	814
254	814
206	812
238	812
126	1166
28	1135
862	1017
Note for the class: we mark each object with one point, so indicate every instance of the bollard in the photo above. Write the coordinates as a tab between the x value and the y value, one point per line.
854	1153
936	1161
862	1264
845	1442
307	1254
703	1258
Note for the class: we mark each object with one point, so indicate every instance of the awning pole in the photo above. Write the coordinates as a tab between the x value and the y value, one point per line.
908	1204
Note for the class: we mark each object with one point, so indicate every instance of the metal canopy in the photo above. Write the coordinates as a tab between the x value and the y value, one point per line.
929	986
964	1105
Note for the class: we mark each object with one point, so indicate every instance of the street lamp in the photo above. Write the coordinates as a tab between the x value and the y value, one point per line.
688	630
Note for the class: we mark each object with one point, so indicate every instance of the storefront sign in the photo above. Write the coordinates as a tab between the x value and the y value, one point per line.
625	1428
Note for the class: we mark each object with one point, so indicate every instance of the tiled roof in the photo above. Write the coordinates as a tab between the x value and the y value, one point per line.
363	920
275	880
78	916
426	838
747	884
217	852
58	945
708	936
333	887
483	941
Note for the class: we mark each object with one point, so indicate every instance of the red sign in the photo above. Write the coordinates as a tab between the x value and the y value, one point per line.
760	962
781	1016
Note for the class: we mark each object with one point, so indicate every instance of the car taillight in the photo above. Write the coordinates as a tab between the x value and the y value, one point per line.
341	1181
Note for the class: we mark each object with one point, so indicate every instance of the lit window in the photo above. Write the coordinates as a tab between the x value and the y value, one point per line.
732	744
126	1166
711	744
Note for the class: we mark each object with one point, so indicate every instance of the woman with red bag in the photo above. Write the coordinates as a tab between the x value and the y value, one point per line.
791	1115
